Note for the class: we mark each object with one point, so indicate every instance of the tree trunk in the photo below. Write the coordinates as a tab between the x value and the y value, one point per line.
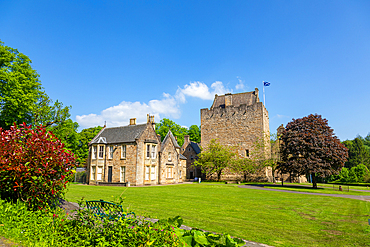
219	176
314	183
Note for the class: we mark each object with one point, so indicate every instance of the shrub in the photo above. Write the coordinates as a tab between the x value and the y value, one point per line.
33	166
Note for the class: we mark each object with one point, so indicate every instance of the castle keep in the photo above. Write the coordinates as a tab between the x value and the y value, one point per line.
238	120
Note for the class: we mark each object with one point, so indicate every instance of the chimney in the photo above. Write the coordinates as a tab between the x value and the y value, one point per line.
228	99
186	138
132	121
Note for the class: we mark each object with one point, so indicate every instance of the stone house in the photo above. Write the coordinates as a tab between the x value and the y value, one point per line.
134	155
191	150
238	120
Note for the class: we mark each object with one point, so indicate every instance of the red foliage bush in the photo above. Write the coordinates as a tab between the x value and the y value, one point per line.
34	166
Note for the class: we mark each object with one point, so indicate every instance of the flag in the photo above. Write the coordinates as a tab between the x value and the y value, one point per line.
266	83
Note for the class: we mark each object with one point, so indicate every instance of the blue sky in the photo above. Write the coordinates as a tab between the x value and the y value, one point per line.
114	60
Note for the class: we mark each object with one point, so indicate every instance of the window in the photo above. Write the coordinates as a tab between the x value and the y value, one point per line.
100	172
101	152
169	172
147	172
153	152
93	172
169	156
110	152
246	153
189	149
123	174
94	152
180	174
123	152
147	151
191	157
152	173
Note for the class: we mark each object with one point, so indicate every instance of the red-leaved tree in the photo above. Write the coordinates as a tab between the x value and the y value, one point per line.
34	166
309	146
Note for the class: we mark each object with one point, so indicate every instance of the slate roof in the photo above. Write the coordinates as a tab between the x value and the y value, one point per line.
196	147
182	157
119	134
170	135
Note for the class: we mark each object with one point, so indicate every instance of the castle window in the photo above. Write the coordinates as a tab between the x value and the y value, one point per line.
101	152
247	153
123	152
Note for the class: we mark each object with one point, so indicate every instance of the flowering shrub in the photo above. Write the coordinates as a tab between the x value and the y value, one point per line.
34	166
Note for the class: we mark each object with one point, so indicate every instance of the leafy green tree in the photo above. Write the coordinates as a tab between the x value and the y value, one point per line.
357	152
352	177
361	172
309	146
256	161
82	149
66	132
194	133
215	158
22	98
165	125
344	175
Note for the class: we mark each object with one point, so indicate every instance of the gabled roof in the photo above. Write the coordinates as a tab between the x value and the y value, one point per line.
182	157
170	135
119	134
196	147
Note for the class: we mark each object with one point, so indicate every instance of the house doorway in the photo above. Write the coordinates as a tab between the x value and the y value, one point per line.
109	174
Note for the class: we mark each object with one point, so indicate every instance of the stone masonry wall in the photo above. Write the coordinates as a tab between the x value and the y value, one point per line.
240	126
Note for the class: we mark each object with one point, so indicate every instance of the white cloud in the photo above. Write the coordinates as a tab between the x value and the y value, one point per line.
240	85
119	115
168	106
200	90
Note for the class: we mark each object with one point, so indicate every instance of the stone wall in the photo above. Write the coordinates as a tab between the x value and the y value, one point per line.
241	124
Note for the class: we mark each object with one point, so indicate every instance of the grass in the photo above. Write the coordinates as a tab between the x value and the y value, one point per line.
273	218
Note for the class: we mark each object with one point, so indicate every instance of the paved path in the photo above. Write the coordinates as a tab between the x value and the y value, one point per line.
261	187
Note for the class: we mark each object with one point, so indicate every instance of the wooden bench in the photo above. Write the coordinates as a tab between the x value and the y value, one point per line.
107	209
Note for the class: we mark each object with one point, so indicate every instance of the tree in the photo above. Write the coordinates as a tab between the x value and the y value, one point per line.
256	161
309	146
34	166
215	158
66	132
84	137
357	152
165	125
22	99
194	133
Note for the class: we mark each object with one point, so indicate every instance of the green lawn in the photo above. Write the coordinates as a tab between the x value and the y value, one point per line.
273	218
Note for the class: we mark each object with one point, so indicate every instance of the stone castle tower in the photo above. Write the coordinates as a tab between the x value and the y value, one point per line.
237	120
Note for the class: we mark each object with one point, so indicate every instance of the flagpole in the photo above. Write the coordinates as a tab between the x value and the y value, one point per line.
263	83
